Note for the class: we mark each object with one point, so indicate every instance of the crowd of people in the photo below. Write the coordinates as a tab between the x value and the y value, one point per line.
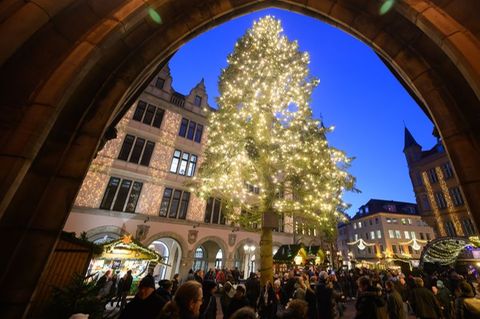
310	293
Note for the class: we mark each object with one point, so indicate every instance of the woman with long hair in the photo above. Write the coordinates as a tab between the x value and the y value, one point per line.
186	303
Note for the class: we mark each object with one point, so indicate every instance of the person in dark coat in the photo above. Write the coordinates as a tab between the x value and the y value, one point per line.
165	289
325	298
127	281
146	304
252	286
238	301
465	292
226	297
423	302
297	309
445	298
394	302
266	302
208	310
369	300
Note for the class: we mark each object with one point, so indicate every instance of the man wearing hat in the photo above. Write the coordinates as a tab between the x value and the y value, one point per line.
146	304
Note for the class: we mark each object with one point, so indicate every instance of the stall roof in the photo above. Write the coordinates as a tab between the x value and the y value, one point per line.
126	248
286	253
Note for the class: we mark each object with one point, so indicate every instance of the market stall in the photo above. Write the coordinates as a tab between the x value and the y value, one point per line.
298	256
122	255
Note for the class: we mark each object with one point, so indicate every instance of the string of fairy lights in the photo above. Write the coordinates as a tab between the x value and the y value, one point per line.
263	133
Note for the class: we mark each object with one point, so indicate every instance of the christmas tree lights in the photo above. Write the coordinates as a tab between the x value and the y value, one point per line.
264	135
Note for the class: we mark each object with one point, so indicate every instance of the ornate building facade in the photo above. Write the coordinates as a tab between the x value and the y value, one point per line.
437	191
136	185
383	232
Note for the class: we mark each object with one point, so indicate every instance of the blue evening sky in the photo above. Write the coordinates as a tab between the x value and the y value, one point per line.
357	94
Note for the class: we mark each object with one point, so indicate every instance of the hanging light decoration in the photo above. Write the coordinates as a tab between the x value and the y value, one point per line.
361	244
414	242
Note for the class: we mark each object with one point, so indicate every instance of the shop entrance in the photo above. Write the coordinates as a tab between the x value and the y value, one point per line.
171	251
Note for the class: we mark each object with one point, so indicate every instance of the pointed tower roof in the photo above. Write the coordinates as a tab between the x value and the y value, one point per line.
409	140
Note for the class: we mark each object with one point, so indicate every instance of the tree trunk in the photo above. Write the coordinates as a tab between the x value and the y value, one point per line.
266	257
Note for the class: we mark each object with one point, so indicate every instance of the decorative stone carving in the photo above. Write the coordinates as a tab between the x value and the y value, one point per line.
232	238
192	236
142	232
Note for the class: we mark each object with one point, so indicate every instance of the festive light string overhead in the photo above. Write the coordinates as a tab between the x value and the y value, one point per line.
263	134
414	242
361	244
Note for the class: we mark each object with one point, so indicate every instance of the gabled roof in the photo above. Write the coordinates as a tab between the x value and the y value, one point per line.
409	140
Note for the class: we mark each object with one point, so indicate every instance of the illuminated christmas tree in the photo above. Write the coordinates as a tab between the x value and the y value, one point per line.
265	154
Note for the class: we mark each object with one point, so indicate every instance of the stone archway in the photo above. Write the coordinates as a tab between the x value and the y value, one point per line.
70	69
103	233
177	260
210	247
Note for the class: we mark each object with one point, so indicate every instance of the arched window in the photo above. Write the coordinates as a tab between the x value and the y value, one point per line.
218	259
199	253
200	259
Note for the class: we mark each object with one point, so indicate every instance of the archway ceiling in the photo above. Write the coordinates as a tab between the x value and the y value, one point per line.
68	67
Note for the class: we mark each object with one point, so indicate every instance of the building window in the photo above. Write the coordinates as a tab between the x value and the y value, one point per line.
359	224
404	221
379	234
447	170
136	150
394	249
389	220
121	195
356	236
376	220
413	235
191	130
252	188
174	203
425	203
281	225
366	236
369	250
450	229
159	83
391	234
397	234
440	199
419	178
407	234
432	175
468	228
148	114
372	235
183	163
198	100
354	225
394	220
214	212
427	235
421	236
456	196
410	250
409	221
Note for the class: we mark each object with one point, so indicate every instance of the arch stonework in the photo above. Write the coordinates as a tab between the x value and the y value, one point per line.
219	241
69	69
181	241
105	229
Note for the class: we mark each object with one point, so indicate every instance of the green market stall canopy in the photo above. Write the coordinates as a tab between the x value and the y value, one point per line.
446	250
126	249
